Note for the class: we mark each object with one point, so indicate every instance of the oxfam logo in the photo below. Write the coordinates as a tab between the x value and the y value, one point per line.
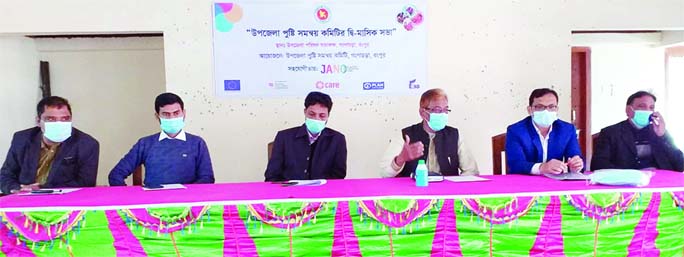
226	15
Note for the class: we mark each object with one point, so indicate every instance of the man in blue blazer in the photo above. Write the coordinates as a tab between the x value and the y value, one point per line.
312	150
52	154
541	143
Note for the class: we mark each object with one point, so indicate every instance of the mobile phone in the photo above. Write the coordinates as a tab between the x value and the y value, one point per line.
654	120
289	183
42	191
153	186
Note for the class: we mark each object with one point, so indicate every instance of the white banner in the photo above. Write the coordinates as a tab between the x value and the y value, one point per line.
289	48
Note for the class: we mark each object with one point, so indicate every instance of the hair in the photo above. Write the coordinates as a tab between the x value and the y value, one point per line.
539	92
315	97
51	101
167	98
430	95
639	94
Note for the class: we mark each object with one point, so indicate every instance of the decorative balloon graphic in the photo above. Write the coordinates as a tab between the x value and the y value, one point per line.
226	15
410	17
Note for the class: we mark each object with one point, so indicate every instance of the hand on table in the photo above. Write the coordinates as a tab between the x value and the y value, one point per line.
26	188
575	163
553	167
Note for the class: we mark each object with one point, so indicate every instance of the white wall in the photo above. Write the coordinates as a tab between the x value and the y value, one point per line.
111	84
488	55
622	64
675	91
19	84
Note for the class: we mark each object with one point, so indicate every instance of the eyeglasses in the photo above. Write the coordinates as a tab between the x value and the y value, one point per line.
56	119
437	110
541	107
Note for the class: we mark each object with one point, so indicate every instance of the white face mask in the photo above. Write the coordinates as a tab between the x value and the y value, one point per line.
544	118
57	131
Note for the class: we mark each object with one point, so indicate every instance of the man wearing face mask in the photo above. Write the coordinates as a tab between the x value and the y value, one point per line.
171	156
52	154
541	143
431	140
640	142
309	151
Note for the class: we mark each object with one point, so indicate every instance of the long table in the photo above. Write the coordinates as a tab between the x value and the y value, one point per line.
511	215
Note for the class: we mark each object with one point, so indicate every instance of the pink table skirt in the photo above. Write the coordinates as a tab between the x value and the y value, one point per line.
106	198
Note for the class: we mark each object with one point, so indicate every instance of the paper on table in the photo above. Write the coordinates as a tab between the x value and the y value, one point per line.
465	178
567	176
166	187
314	182
51	191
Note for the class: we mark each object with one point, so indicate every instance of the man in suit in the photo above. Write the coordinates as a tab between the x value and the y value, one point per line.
541	143
52	154
441	146
640	142
171	156
312	150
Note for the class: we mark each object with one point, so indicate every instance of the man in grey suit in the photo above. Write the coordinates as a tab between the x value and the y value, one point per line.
52	154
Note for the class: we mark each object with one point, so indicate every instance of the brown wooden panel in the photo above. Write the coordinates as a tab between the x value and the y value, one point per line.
498	146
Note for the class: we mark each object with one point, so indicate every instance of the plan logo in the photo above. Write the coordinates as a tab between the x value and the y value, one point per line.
374	85
231	85
322	14
413	84
327	85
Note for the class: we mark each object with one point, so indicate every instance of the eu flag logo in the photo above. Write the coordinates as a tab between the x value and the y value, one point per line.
231	85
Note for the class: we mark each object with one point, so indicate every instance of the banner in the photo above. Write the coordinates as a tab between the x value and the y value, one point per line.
289	48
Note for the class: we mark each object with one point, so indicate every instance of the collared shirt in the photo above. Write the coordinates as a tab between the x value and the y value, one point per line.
389	169
180	136
312	137
545	148
432	163
45	159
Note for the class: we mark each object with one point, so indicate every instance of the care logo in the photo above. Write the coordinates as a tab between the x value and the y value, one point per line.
322	13
327	85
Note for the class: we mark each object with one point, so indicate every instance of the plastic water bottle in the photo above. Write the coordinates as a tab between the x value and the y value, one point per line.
421	174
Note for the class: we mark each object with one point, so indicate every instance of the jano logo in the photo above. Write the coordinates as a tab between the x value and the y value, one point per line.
337	68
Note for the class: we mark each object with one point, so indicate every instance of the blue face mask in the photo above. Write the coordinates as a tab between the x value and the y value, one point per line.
172	126
314	126
621	177
438	121
544	118
57	131
641	118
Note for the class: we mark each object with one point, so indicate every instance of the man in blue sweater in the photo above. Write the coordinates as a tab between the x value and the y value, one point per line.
171	156
541	143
